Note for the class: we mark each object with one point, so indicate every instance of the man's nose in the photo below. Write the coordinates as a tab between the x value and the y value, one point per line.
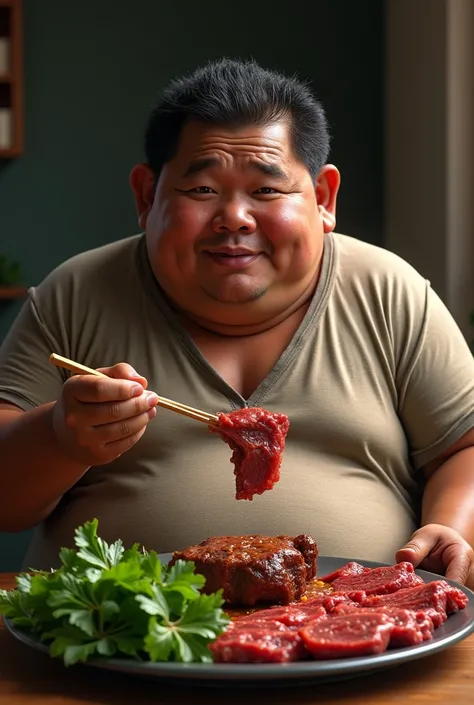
233	217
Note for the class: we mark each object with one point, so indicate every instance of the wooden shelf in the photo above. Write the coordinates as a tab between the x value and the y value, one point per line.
9	293
11	80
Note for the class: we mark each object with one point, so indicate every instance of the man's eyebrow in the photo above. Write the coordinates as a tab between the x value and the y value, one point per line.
269	169
273	170
198	165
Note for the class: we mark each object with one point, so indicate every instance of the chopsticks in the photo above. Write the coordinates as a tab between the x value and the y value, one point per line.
191	412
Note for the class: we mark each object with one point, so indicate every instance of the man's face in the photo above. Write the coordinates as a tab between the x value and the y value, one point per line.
235	227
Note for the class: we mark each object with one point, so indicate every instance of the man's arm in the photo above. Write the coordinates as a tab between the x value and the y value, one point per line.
443	543
449	493
45	451
34	472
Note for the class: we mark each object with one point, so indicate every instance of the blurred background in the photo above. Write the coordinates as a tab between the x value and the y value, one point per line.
396	78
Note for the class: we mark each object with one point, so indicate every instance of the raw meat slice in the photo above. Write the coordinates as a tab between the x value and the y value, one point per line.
257	438
379	581
341	636
409	628
355	597
456	599
331	599
292	616
429	598
259	643
351	568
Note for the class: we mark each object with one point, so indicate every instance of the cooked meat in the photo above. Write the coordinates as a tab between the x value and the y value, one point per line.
258	643
257	439
351	568
409	628
339	636
379	581
254	568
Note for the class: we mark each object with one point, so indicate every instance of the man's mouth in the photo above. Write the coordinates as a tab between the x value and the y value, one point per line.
233	258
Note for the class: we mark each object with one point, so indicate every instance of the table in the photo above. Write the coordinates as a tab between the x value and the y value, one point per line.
28	677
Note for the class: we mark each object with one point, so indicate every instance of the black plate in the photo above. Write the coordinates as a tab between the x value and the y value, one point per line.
457	627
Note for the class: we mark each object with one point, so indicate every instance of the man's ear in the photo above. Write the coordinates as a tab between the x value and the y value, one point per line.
143	186
327	187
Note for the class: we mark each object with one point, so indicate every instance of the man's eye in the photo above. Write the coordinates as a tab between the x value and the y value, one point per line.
201	189
266	190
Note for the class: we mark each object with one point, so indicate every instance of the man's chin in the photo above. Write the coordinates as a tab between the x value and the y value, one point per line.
236	294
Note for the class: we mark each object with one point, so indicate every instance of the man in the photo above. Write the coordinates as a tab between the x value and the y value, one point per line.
238	293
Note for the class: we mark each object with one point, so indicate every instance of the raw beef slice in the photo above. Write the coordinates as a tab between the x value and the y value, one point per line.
436	600
258	643
351	568
409	628
378	581
347	635
257	438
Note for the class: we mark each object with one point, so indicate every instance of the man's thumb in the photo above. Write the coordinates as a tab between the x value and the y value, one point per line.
414	552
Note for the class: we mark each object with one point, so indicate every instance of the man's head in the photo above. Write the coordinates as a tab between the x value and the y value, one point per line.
236	195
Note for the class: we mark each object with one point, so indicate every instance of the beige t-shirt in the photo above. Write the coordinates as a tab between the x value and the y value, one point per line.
376	382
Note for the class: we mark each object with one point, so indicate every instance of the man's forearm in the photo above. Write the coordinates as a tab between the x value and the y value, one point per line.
449	495
34	472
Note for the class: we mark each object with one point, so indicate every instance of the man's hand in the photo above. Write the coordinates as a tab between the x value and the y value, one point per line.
442	550
96	419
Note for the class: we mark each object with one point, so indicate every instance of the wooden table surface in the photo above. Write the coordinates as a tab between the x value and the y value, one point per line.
30	677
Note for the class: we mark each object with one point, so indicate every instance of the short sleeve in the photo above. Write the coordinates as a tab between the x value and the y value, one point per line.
27	378
436	399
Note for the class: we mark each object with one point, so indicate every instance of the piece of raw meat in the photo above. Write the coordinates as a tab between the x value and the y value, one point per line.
351	568
436	599
379	581
257	438
258	643
409	628
254	568
347	635
292	616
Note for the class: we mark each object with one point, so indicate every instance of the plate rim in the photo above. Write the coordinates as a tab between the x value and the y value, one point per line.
297	670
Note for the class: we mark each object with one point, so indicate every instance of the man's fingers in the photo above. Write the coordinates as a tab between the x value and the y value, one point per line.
416	550
104	413
90	389
459	567
124	371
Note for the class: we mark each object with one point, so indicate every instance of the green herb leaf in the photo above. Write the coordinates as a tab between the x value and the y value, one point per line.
156	605
94	550
107	601
160	642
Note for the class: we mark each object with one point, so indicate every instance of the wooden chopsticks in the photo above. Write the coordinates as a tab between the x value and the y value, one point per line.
191	412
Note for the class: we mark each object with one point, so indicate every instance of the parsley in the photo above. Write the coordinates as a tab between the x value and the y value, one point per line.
108	601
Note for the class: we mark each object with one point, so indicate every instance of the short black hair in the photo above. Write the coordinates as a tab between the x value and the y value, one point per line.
237	94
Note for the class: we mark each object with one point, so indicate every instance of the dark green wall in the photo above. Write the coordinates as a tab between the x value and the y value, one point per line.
93	69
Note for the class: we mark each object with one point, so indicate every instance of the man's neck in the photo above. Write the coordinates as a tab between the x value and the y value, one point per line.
295	309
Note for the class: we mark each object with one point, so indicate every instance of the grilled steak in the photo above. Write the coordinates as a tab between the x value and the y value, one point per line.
257	439
254	568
